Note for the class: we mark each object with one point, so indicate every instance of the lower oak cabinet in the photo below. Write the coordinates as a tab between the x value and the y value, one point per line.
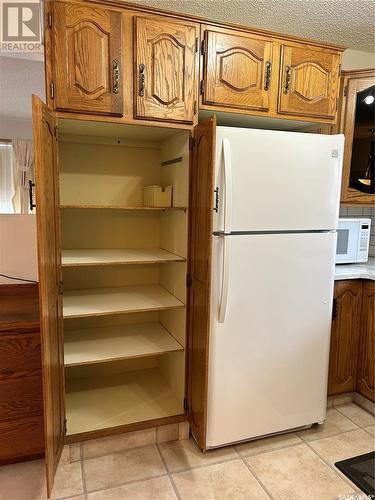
351	364
21	395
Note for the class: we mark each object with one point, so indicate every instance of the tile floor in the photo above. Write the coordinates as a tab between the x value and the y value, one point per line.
293	466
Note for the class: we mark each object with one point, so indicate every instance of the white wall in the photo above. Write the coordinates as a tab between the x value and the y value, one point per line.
357	59
18	255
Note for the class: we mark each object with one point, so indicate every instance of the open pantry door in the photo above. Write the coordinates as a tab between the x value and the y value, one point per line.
50	298
202	175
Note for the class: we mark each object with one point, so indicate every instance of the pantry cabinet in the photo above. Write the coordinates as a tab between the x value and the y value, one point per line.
166	69
366	359
238	70
309	81
87	59
346	322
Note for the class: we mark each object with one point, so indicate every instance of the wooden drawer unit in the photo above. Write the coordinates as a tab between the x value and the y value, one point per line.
309	81
21	392
237	70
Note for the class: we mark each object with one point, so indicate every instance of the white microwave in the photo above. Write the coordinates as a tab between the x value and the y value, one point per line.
353	239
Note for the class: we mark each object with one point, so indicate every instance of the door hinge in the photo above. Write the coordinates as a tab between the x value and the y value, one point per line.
186	405
196	44
57	133
340	70
337	103
202	86
203	47
345	90
49	19
52	86
60	288
195	107
188	280
334	308
65	428
191	143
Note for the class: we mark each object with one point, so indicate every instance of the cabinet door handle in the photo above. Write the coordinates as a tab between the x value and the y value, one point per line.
31	200
287	78
334	308
267	75
141	80
116	76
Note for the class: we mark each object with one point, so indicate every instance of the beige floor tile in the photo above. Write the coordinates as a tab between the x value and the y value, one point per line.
267	444
181	455
113	470
166	433
334	424
370	429
347	445
120	442
227	481
153	489
183	430
68	478
297	473
75	452
357	414
23	481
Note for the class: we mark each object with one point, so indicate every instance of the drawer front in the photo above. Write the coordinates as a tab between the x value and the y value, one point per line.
21	398
19	355
21	439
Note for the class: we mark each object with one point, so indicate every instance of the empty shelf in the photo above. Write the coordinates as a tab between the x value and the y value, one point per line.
117	300
113	343
119	207
113	256
107	401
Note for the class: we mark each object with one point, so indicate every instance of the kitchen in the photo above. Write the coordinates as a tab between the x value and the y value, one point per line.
187	262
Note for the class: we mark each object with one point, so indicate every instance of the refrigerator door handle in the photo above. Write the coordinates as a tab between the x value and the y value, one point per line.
228	186
223	302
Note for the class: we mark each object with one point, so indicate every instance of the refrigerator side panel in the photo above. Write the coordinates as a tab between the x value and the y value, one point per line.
268	363
278	181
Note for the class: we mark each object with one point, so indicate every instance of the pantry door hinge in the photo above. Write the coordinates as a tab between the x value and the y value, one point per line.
345	90
65	427
188	280
337	103
50	19
60	288
186	405
196	44
340	70
191	143
57	133
195	107
202	47
52	87
334	309
202	86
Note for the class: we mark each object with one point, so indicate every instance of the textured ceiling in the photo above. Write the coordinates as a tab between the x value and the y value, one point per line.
345	22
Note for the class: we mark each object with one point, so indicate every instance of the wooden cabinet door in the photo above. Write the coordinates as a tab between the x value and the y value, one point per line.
345	336
49	260
309	82
166	69
237	71
200	272
87	62
366	359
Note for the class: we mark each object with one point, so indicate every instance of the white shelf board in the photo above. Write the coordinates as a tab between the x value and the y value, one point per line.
113	256
113	343
109	401
117	300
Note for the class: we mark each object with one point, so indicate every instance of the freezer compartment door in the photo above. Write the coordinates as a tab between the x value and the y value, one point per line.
271	308
276	181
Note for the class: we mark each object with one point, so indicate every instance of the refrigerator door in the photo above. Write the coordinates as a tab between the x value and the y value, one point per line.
271	309
276	181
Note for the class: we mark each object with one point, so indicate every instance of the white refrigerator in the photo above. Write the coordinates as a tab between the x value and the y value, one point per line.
276	205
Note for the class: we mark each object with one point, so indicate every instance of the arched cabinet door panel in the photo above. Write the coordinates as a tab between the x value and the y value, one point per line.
87	48
309	81
238	70
165	69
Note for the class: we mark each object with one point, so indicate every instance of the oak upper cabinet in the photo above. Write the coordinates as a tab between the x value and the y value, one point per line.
87	59
345	336
366	359
309	81
165	69
238	70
